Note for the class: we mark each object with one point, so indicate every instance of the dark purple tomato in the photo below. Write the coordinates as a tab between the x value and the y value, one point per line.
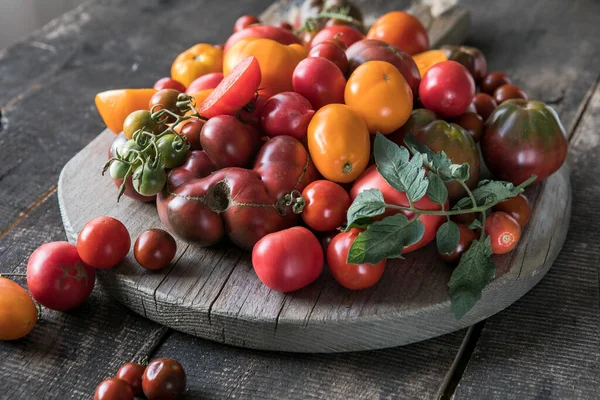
286	113
418	119
164	379
197	165
472	123
191	131
320	81
132	374
113	389
447	89
165	99
507	92
333	50
493	81
154	249
484	104
469	57
228	142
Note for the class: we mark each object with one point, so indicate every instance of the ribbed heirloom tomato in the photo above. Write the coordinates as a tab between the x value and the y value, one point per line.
378	92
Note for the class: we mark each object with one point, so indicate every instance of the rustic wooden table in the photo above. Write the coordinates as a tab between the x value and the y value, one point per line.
545	346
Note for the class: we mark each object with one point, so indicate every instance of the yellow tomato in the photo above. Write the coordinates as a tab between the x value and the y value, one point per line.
196	61
339	143
428	59
18	313
115	105
379	94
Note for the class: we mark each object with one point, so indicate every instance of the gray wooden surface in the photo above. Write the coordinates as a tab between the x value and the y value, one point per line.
46	99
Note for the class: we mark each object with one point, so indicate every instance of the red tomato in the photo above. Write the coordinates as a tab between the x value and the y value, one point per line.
466	238
56	277
517	207
288	260
132	374
504	232
371	179
351	276
286	113
154	249
103	242
326	205
320	81
245	21
344	33
235	90
334	50
208	81
447	89
113	389
169	83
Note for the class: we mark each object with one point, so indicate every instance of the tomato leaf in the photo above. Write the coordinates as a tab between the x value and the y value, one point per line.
489	192
476	224
439	163
385	239
447	237
475	270
403	173
437	191
369	203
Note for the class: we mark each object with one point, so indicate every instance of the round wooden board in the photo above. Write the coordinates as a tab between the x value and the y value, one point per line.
213	292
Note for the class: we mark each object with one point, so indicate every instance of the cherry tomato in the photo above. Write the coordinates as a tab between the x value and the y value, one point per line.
169	83
343	33
517	207
235	90
148	179
113	389
166	99
18	313
172	150
472	123
507	92
379	94
228	142
351	276
493	81
447	89
339	143
288	260
103	242
326	205
286	113
320	81
484	104
56	277
245	21
464	242
503	230
164	379
402	30
137	120
208	81
132	374
465	219
191	131
334	50
154	249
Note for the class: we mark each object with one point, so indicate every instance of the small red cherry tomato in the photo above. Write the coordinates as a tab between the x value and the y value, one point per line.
208	81
351	276
517	207
164	379
504	232
245	21
286	113
132	374
288	260
154	249
464	242
113	389
169	83
326	205
447	89
103	242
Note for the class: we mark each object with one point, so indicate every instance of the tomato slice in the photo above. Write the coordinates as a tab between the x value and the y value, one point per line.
235	90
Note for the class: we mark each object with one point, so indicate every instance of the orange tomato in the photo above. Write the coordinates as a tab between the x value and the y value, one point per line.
378	92
18	313
277	62
428	59
115	105
339	143
196	61
401	29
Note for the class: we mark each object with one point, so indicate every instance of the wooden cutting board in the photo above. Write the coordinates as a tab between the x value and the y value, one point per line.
213	292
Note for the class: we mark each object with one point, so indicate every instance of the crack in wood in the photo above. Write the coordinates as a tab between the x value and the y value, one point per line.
212	303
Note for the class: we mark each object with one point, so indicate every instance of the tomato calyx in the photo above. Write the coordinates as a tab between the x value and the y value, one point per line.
339	13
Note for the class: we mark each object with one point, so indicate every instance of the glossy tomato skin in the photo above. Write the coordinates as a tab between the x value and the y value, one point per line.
465	240
191	131
169	83
472	123
103	242
484	105
130	192
140	119
154	249
18	313
163	379
165	99
378	92
245	21
326	205
279	35
493	81
320	81
458	145
507	92
402	30
378	50
447	89
197	165
339	143
346	34
57	278
132	373
288	260
371	179
113	389
517	207
522	138
208	81
419	118
286	113
504	232
470	58
228	142
334	50
351	276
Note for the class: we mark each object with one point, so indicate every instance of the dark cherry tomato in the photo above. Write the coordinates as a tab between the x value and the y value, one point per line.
286	113
191	131
472	123
113	389
132	374
470	57
493	81
228	142
56	277
447	89
164	379
320	81
169	83
326	238
166	99
208	81
465	219
517	207
137	120
507	92
149	179
464	242
250	114
154	249
326	205
484	104
284	25
351	276
103	242
504	232
288	260
245	21
333	50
